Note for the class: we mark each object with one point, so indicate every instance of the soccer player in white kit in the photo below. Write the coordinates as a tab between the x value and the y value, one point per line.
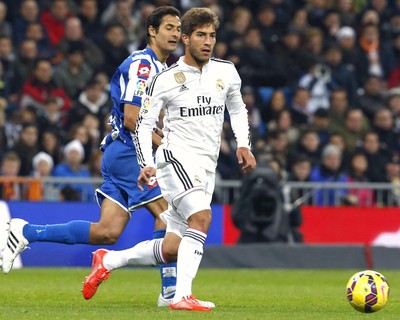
193	95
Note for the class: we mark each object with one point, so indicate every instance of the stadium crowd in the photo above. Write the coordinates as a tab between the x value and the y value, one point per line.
320	79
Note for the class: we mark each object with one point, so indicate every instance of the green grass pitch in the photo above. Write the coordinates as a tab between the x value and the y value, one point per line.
239	294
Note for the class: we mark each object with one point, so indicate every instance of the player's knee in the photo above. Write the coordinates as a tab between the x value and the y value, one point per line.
103	236
200	220
170	247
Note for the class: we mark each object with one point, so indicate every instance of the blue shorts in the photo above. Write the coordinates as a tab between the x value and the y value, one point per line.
120	170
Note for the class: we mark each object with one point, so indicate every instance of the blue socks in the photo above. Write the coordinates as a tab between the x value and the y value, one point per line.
69	233
167	272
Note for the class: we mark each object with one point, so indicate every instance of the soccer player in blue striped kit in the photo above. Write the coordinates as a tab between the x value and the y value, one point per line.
119	194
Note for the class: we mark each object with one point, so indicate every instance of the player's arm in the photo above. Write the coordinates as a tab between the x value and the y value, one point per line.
148	116
240	125
131	113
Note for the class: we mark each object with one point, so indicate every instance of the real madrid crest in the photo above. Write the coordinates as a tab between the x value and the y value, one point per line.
220	85
180	77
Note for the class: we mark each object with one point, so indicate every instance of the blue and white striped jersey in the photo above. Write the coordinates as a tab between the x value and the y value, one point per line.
129	85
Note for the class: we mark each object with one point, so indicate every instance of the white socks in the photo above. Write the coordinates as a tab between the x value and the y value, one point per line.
145	253
190	253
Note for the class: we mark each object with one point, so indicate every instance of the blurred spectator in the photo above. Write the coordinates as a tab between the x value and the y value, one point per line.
339	107
278	142
346	39
314	43
318	80
319	123
26	147
51	144
368	16
266	24
36	32
3	136
42	167
26	56
9	73
95	164
275	105
358	173
5	26
255	64
290	58
392	175
299	21
237	27
331	26
342	75
393	103
284	11
381	7
92	124
42	164
54	18
81	133
28	12
300	172
316	12
375	57
74	37
309	145
74	72
92	100
51	118
383	124
347	12
10	167
12	127
283	121
372	97
329	171
72	167
253	109
300	107
228	167
124	15
376	157
394	75
353	130
41	85
90	19
337	139
114	48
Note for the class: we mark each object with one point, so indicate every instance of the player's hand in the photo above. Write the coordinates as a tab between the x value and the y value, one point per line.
146	175
246	160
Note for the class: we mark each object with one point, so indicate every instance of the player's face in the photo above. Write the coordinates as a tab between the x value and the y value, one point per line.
169	32
201	43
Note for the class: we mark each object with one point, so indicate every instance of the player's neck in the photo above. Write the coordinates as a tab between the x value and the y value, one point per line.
161	55
191	61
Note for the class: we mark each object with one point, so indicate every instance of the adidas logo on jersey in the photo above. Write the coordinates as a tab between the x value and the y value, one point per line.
183	88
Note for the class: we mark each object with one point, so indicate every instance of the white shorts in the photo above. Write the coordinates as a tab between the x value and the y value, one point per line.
187	187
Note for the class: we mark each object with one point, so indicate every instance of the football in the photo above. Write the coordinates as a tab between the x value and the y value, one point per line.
367	291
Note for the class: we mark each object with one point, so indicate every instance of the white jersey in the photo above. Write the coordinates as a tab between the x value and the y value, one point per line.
194	103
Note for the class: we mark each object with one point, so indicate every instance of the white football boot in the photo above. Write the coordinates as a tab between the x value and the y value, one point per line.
16	243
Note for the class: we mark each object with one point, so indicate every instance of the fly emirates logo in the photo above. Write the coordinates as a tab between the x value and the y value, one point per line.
205	108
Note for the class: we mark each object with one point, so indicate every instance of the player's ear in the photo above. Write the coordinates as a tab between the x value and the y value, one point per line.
185	39
152	31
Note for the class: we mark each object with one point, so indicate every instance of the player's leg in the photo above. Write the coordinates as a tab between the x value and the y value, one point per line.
21	233
167	270
151	252
190	251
